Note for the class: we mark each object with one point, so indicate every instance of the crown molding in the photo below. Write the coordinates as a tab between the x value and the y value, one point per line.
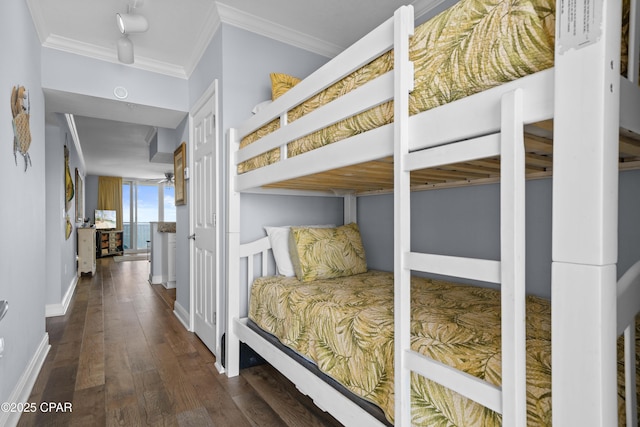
217	15
206	35
64	44
263	27
68	45
38	20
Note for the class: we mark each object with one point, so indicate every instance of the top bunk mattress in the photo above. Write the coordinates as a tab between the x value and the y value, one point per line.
345	326
471	47
468	48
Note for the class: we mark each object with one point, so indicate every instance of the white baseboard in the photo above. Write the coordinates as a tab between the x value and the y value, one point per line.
182	315
25	384
60	309
156	280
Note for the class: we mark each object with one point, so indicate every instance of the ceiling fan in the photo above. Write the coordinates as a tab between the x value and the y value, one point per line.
168	179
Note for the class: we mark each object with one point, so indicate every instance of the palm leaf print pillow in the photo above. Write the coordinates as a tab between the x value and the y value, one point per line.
325	253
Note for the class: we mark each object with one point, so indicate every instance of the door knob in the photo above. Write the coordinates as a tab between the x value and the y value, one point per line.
193	236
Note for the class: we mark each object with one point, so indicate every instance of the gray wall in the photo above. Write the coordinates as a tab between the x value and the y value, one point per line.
286	210
465	222
67	72
23	252
242	61
91	197
182	234
628	220
61	252
248	61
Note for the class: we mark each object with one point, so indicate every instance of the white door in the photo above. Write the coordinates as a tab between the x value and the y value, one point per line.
204	205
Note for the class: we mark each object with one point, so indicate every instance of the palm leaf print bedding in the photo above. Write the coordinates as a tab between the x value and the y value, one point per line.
345	326
468	48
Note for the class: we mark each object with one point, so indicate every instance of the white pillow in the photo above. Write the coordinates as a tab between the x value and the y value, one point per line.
279	239
260	106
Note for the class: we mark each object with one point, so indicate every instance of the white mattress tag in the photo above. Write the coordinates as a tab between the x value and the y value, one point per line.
580	23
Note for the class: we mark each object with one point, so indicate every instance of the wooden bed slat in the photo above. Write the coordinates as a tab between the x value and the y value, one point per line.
377	176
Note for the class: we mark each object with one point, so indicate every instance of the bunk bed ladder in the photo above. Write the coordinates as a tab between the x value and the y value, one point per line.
403	84
510	399
512	232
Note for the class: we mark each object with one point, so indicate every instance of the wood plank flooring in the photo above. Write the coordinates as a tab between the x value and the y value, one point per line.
121	358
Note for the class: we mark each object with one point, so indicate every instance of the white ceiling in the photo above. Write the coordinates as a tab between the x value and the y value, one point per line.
88	27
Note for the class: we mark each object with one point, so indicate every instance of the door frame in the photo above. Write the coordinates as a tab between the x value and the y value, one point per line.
211	92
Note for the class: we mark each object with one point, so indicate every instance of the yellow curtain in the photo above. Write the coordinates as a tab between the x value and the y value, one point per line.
110	196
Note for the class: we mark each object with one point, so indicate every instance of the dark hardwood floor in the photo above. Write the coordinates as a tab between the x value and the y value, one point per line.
120	357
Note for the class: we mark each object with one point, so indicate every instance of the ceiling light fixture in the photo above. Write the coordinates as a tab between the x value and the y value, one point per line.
129	23
125	50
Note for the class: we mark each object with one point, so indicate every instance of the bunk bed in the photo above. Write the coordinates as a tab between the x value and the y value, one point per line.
556	111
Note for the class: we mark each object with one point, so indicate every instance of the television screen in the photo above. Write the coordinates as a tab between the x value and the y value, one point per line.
105	219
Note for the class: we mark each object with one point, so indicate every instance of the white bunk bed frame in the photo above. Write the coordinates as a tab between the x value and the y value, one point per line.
589	103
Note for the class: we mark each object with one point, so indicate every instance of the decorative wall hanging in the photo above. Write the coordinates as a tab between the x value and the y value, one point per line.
179	163
20	108
68	228
68	191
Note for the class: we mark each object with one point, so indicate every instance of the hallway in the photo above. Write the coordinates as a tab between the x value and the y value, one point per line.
120	357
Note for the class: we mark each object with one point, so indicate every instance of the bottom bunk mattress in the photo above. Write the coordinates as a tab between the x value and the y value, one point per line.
371	408
345	326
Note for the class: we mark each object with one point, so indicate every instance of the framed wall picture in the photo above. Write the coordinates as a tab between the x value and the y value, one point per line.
179	163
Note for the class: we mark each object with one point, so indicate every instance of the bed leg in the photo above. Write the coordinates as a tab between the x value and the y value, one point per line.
350	208
585	213
232	351
232	355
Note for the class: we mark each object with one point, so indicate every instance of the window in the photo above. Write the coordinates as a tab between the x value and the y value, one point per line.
142	204
169	203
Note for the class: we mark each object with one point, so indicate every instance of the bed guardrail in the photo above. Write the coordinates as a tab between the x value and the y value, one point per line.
372	45
373	93
249	251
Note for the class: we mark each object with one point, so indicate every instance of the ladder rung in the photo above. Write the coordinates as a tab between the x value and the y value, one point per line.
459	381
467	268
